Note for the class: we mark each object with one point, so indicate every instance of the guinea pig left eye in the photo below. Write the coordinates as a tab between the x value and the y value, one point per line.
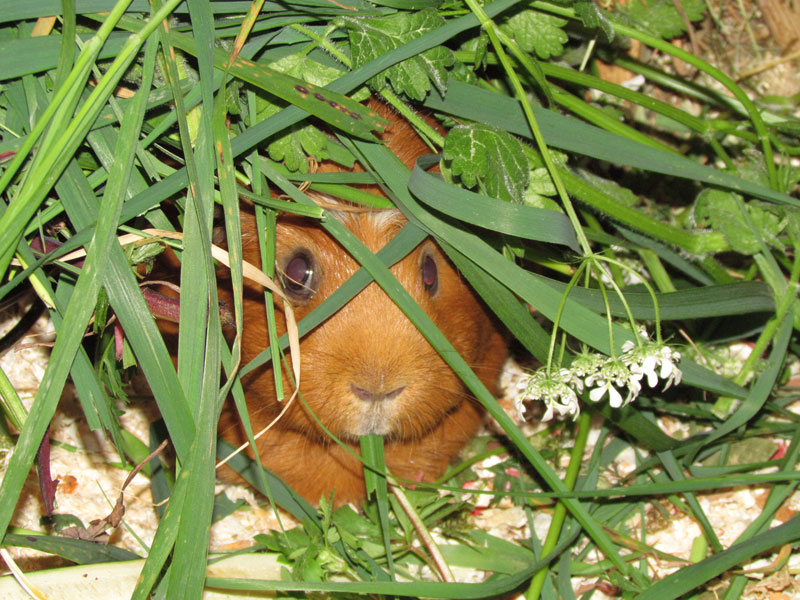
298	276
430	274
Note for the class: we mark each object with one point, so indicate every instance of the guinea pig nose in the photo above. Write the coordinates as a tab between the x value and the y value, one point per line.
375	396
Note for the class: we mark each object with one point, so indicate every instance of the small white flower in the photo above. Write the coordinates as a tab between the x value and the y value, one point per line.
554	389
613	374
614	397
654	360
587	363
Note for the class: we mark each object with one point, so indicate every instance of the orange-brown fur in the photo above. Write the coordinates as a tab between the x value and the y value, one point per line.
369	344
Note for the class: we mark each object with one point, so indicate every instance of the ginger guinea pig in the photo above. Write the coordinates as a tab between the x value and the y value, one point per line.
366	370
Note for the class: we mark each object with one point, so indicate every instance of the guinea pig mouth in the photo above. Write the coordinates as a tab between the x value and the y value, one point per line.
375	419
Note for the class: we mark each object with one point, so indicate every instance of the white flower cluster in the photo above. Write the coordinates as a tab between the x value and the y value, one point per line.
601	375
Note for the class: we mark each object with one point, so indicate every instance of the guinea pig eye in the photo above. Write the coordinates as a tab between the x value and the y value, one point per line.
430	274
298	275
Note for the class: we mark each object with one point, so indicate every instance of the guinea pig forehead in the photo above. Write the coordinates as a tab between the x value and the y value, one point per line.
375	227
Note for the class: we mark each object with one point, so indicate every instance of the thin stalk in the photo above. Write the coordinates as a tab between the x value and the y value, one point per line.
494	36
422	532
572	282
560	511
12	405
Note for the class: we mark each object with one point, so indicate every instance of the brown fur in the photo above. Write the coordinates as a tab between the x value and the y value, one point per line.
371	345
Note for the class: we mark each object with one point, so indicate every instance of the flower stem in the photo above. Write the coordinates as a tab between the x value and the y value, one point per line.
560	511
495	37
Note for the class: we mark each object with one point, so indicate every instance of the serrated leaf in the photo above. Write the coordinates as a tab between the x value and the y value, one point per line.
537	32
372	37
492	157
541	186
303	67
660	17
593	17
298	142
720	210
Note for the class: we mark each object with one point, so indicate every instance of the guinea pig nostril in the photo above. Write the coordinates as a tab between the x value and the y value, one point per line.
375	396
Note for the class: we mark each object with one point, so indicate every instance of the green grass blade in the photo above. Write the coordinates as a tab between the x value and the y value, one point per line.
574	136
513	219
39	54
374	467
81	552
693	576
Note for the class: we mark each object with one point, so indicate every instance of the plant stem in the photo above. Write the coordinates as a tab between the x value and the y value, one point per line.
494	35
560	511
422	531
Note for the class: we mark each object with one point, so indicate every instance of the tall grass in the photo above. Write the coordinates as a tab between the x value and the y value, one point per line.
108	116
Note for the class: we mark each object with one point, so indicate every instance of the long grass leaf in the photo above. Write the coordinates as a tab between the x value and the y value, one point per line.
568	134
693	576
513	219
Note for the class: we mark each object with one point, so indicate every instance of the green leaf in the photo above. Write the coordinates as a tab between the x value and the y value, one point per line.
480	154
78	551
593	17
611	188
768	220
720	210
660	17
372	37
572	135
539	32
301	141
541	190
490	553
512	219
298	143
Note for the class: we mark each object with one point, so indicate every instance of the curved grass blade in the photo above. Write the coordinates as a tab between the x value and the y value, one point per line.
693	576
513	219
81	552
568	134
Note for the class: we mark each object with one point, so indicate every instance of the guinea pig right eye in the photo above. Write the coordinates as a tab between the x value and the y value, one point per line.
298	276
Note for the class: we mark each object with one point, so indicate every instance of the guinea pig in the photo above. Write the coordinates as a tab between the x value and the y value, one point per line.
367	369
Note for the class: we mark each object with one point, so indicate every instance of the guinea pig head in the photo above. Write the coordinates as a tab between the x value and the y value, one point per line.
367	369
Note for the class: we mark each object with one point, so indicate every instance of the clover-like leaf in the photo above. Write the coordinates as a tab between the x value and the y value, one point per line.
660	17
371	37
493	158
539	32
